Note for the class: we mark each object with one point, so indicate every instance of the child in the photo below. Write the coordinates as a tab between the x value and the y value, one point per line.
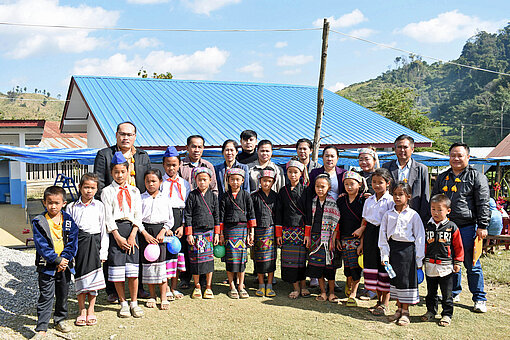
350	231
320	234
237	220
123	215
93	242
402	245
56	241
177	189
264	249
440	262
201	216
290	231
157	220
376	277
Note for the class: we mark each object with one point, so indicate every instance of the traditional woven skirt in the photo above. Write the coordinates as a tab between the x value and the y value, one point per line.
122	265
293	255
264	250
404	286
153	272
350	255
236	252
376	278
175	262
317	266
89	276
201	253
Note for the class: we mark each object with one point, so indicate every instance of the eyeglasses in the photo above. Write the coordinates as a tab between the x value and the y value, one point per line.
124	134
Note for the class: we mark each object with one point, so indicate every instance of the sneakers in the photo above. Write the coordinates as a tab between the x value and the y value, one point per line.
480	307
124	312
137	311
112	298
63	327
456	299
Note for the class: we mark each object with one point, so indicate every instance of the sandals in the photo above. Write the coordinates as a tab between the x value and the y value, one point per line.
380	310
333	298
208	294
351	302
429	316
151	303
347	290
81	321
165	305
377	304
91	320
233	294
260	292
445	321
178	295
404	319
270	292
395	316
294	295
321	298
243	294
305	293
170	296
197	294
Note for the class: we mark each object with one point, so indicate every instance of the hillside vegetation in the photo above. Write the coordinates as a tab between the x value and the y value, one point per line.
30	106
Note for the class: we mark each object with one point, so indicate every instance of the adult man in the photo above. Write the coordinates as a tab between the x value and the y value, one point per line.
304	149
248	147
468	190
406	169
139	162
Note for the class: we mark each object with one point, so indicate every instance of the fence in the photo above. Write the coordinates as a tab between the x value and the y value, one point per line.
44	172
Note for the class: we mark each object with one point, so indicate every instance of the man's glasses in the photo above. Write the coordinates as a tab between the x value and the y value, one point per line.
124	134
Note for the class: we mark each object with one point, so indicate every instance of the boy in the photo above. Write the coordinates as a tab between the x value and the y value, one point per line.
56	243
248	145
123	217
440	261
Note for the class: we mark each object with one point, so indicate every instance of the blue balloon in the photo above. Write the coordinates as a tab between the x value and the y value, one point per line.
174	245
420	275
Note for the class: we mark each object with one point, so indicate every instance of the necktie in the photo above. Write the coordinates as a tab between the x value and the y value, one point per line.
176	182
124	190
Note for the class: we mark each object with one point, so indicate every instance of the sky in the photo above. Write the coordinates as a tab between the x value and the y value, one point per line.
46	58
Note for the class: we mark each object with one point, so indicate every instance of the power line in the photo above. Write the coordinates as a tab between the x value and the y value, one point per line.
33	99
421	55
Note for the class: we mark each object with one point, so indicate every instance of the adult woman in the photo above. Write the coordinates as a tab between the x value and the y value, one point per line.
368	162
304	149
330	159
265	152
229	150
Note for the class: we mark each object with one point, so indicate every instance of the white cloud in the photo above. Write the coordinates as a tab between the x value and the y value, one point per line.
22	42
337	87
292	72
145	2
255	69
346	20
208	6
199	65
449	26
140	43
362	32
294	60
281	44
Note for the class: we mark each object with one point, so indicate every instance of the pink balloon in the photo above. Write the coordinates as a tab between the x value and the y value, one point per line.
151	252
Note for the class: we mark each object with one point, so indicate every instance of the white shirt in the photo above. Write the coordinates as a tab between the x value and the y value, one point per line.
114	212
435	269
374	210
333	192
157	210
91	219
405	226
403	171
175	199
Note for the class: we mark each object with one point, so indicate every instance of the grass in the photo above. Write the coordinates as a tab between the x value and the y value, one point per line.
278	318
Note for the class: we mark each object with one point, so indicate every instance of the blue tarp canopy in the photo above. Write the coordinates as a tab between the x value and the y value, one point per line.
348	158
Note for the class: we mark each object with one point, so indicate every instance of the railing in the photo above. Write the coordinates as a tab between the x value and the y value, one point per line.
71	168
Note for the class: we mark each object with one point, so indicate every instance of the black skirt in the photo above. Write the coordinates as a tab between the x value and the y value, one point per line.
404	286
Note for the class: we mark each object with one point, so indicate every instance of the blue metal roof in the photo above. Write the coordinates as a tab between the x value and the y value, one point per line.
166	112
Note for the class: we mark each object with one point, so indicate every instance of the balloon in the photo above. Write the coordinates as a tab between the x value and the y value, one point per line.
360	261
173	245
420	275
219	251
151	252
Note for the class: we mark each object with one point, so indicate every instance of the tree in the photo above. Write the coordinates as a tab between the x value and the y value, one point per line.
143	74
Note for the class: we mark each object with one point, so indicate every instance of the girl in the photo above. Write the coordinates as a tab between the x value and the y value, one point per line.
320	233
157	220
289	230
88	213
237	220
376	277
177	190
264	248
350	231
123	216
201	216
402	244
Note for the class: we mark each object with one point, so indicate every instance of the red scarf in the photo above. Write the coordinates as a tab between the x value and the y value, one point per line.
176	182
128	196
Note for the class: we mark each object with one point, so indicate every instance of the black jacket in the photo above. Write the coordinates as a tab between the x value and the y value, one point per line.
201	212
470	203
238	209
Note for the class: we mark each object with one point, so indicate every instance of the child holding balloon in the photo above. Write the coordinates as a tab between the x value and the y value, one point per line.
402	246
157	220
123	217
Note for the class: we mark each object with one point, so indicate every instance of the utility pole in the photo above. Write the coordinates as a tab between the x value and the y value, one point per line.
462	133
320	94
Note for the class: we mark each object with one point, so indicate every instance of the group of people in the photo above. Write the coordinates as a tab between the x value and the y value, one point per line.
322	217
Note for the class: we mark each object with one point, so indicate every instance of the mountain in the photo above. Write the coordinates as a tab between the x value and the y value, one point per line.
22	105
459	98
